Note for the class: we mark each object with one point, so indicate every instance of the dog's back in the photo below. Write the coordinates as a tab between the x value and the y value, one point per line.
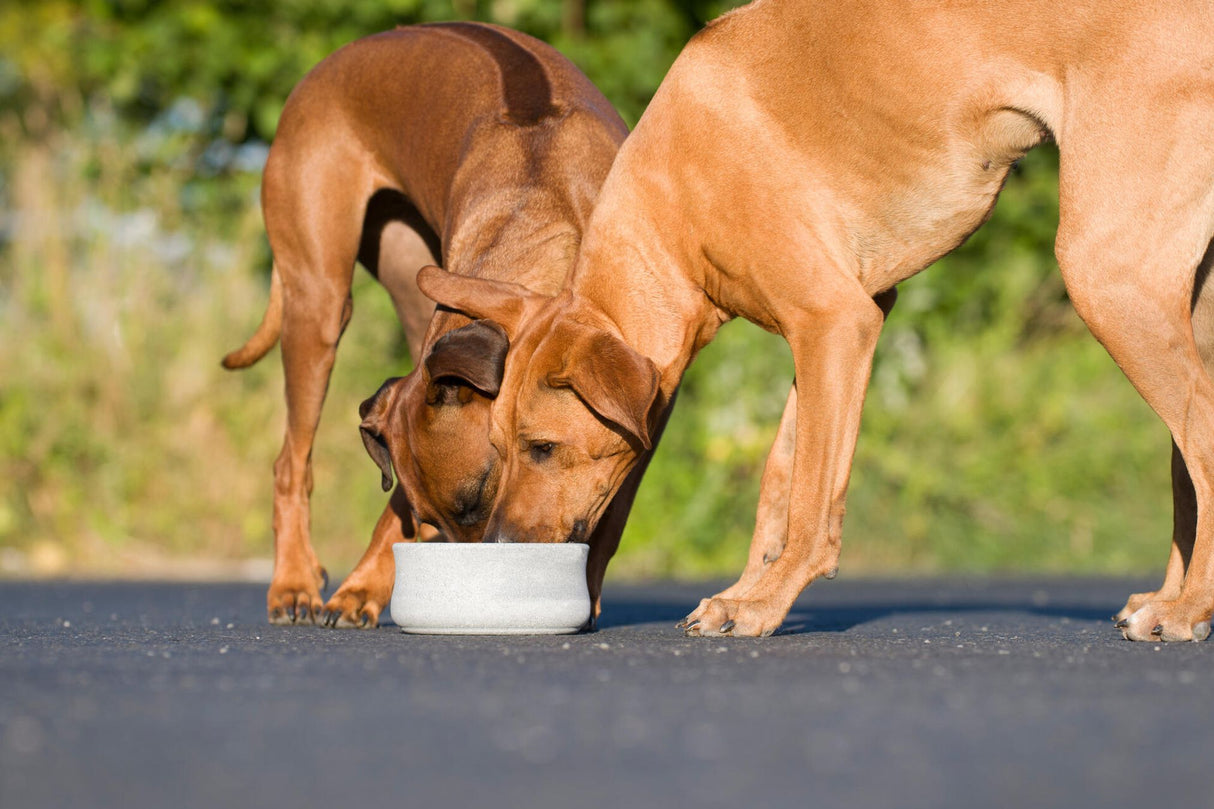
527	121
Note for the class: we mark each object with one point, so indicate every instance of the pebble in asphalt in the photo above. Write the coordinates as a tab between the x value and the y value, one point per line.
917	693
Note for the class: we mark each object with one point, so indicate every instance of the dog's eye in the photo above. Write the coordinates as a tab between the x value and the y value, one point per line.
541	450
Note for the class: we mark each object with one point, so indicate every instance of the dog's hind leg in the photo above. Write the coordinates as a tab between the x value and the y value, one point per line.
313	198
1130	240
1184	498
396	243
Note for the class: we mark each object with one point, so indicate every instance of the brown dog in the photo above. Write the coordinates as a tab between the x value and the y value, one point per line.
468	140
800	159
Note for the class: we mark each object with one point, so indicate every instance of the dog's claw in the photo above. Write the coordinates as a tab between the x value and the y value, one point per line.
831	574
1158	630
1122	624
1201	631
727	626
691	626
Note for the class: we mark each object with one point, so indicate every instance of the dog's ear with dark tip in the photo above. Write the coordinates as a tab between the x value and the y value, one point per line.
475	354
618	383
376	415
479	298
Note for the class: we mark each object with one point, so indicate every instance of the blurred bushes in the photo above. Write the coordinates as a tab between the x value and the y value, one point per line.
997	434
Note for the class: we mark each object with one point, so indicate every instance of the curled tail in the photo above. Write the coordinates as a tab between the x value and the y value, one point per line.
267	333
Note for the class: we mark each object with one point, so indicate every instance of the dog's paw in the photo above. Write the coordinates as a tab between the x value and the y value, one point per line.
1139	600
296	602
1166	621
717	617
354	608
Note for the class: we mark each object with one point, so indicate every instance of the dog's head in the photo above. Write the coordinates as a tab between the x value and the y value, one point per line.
576	408
432	429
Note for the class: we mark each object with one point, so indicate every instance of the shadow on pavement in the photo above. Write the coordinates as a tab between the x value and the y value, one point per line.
630	609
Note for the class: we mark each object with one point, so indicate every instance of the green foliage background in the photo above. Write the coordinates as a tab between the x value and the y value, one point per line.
997	436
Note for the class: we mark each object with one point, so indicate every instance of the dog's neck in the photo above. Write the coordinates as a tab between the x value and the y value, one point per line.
538	253
636	275
515	239
517	213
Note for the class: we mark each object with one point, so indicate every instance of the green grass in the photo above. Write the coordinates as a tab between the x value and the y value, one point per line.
1043	459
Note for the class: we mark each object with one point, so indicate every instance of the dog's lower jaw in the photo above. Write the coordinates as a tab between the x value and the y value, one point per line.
578	533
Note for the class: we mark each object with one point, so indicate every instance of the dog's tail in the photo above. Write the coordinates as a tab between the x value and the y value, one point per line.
267	333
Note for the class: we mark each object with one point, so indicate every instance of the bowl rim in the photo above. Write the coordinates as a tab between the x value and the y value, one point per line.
497	547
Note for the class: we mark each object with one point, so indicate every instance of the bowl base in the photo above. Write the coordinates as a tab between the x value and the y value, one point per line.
473	630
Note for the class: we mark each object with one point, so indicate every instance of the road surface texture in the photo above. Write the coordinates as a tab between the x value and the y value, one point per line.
919	693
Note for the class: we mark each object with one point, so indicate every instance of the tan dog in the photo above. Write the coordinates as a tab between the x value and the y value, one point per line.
471	140
800	159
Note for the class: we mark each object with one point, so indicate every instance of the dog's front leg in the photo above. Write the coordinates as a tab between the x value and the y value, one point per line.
1184	496
771	521
366	592
832	345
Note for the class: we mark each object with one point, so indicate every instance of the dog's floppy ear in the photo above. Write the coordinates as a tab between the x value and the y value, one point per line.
475	353
614	380
376	415
479	298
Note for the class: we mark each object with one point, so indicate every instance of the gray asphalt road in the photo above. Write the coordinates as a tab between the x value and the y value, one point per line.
880	694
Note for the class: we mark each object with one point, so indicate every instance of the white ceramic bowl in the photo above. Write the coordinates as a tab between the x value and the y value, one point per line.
448	588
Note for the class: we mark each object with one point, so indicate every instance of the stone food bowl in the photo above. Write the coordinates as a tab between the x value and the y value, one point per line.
447	588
